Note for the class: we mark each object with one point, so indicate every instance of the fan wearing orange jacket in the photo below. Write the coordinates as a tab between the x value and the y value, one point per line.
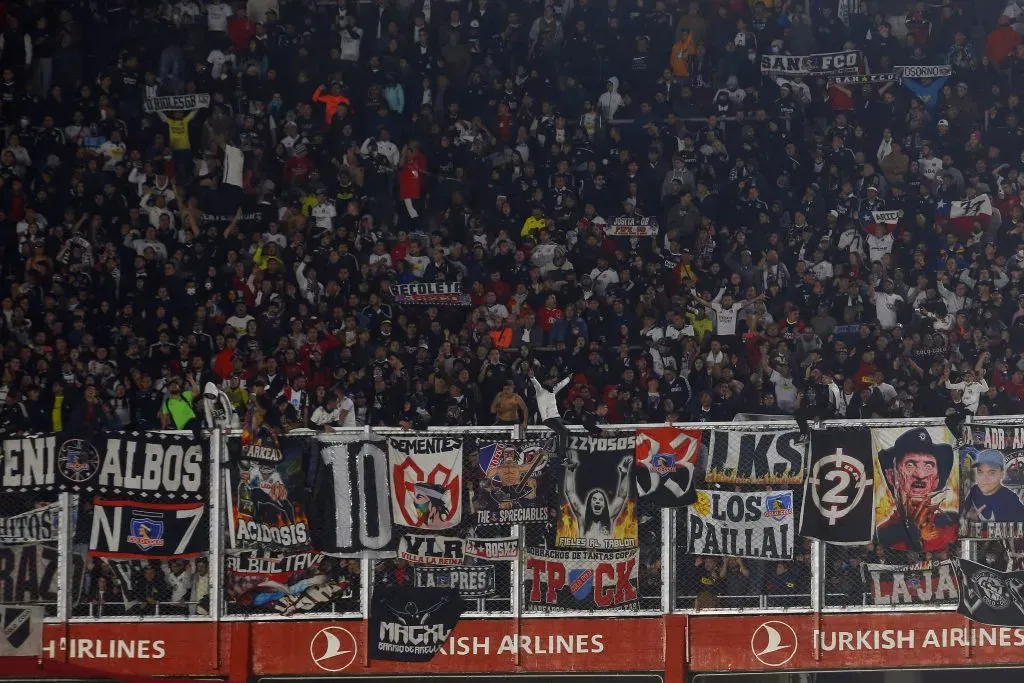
332	101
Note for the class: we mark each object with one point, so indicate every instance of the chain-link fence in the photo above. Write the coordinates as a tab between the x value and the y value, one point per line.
29	557
577	563
111	589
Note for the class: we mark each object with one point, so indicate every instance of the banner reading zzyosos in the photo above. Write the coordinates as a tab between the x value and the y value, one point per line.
598	507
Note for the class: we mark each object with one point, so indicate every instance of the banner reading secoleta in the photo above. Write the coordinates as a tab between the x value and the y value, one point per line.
598	509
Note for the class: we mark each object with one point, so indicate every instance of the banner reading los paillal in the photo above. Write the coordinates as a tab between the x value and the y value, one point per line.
759	525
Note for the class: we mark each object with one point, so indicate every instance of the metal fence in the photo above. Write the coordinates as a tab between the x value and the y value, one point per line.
56	572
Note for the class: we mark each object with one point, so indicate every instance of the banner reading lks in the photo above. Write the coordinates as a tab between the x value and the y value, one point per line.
759	525
140	465
765	458
515	482
917	500
411	624
666	465
598	509
581	579
838	507
426	481
269	507
912	584
992	483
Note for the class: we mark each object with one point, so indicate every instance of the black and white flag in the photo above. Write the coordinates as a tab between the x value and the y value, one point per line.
22	631
412	624
838	506
139	465
352	501
989	596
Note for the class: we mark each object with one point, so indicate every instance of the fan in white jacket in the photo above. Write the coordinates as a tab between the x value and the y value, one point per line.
547	406
218	412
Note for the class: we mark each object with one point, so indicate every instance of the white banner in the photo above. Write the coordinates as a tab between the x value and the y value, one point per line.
22	631
30	527
759	525
632	226
176	103
234	166
820	63
426	481
923	71
887	217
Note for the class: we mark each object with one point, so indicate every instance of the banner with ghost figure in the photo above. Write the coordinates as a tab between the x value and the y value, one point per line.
598	503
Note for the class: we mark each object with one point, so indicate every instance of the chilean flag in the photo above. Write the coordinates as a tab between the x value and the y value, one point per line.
884	220
962	215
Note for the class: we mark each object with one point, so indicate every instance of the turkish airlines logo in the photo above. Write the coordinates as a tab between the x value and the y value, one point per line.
333	649
774	643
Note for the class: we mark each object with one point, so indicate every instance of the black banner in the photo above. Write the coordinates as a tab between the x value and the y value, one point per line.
768	458
598	507
411	624
666	464
515	479
914	584
258	582
473	581
267	490
139	465
838	502
352	501
989	596
131	530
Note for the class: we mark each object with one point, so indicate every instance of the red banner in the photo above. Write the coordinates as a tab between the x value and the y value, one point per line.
476	645
839	641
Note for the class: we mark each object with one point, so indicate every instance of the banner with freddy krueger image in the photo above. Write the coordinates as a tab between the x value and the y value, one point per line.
917	500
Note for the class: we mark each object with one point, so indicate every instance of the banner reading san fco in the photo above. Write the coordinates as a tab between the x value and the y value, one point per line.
992	483
819	63
430	294
758	525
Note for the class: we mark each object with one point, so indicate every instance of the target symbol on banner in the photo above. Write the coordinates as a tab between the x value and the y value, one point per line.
838	483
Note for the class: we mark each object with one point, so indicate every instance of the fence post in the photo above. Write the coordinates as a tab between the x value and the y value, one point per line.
668	546
817	586
217	522
516	589
65	563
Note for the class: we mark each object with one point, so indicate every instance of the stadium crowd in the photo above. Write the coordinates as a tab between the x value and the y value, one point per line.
156	260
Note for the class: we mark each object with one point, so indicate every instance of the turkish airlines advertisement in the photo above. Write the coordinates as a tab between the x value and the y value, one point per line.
838	641
476	645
